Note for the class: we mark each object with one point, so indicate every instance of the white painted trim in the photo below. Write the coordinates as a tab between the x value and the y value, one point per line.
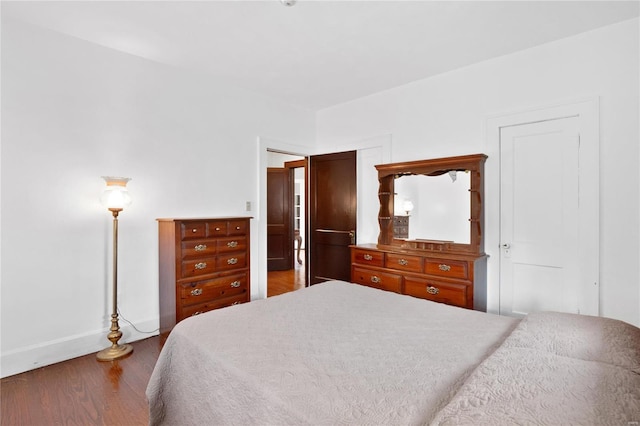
588	112
259	226
370	151
54	351
381	141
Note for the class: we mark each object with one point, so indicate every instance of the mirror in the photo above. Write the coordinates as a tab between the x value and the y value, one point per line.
435	207
433	204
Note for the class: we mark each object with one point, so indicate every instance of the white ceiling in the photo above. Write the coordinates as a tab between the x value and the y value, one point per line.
320	53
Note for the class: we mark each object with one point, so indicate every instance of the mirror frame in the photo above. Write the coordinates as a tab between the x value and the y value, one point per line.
434	167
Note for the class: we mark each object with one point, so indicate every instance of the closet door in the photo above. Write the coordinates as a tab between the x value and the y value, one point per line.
540	263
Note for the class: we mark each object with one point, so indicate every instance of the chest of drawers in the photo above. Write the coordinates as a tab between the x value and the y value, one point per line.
401	227
204	265
454	279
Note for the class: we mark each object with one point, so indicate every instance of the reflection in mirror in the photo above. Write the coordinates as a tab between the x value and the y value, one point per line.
441	205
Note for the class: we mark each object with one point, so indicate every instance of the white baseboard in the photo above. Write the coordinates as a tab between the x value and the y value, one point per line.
40	355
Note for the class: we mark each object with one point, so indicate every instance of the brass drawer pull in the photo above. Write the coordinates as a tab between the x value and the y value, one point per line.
432	290
200	247
232	261
217	229
237	228
201	265
235	303
375	279
235	284
443	267
232	244
196	292
367	257
194	230
403	262
196	313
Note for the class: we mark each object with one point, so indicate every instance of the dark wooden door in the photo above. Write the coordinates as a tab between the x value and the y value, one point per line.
332	207
279	219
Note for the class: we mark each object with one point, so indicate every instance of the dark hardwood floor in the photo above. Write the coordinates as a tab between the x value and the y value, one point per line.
83	391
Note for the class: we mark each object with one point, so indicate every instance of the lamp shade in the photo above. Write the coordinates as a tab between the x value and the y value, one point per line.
408	206
116	195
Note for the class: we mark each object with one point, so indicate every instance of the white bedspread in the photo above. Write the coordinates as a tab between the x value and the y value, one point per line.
334	353
555	369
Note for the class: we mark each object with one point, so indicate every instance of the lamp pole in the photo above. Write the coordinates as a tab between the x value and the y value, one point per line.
115	351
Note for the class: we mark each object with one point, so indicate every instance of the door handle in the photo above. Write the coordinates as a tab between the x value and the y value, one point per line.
351	233
506	246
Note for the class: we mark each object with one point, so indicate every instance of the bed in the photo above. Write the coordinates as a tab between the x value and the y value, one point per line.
340	353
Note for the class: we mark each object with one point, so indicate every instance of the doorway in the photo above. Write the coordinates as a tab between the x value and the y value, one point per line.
370	151
286	222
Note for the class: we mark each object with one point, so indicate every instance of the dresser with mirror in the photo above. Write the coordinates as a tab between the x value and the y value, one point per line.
438	252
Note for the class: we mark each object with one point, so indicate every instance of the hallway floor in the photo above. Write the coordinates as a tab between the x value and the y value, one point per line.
279	282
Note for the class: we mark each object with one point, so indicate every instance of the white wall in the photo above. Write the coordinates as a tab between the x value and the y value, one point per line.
446	115
73	111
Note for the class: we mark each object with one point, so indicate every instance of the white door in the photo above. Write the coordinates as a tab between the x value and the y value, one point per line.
539	218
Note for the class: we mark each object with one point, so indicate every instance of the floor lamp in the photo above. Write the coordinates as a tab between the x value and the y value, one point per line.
115	198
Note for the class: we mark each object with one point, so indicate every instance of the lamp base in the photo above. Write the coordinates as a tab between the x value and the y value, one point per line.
114	352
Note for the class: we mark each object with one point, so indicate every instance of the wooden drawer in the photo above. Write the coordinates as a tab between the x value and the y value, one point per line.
231	261
198	248
449	293
237	227
231	244
377	279
199	266
447	268
222	228
367	257
403	262
211	305
191	230
209	265
202	291
217	228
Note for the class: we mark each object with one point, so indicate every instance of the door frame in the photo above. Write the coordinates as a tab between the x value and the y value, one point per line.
259	223
259	261
588	112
